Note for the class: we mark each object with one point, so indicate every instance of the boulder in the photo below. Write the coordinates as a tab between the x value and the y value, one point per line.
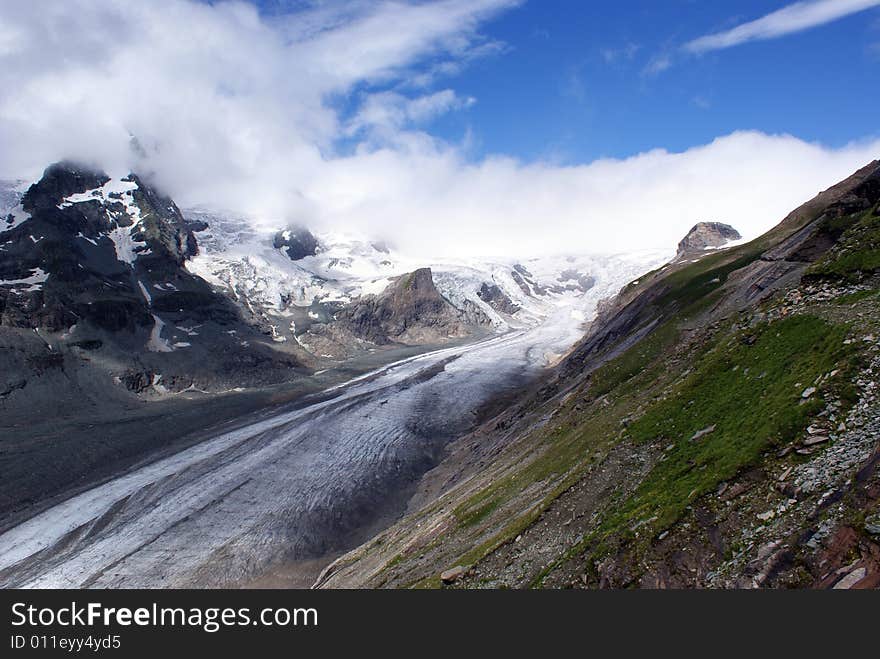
453	574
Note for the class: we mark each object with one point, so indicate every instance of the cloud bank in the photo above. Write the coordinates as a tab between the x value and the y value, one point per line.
318	117
788	20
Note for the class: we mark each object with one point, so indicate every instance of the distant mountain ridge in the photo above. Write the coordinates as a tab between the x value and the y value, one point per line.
109	271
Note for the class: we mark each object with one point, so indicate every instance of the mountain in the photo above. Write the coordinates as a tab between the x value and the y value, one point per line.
706	235
336	295
716	427
95	267
130	330
110	349
106	273
409	310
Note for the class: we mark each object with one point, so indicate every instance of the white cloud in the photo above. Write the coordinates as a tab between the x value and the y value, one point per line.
436	200
657	64
231	107
793	18
239	112
391	111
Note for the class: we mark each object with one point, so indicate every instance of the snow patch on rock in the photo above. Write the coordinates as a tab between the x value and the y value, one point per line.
32	283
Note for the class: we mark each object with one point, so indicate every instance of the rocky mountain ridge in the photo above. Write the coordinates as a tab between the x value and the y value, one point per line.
715	428
102	266
98	264
299	300
389	315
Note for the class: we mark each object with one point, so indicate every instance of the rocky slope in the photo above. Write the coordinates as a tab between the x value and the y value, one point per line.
715	428
409	310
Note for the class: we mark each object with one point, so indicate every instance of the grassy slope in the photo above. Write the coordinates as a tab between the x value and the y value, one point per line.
857	252
748	384
561	454
746	379
748	388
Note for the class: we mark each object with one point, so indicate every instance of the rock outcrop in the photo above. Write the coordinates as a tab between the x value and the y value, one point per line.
410	310
297	243
706	235
492	295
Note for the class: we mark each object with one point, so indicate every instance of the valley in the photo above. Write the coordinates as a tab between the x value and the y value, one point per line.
295	485
222	405
232	408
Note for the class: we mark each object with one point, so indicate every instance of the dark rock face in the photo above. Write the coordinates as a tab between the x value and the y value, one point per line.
572	280
705	235
410	310
95	266
104	252
298	243
526	281
497	299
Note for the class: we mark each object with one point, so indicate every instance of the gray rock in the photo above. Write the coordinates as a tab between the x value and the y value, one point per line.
409	310
851	579
492	295
702	433
705	235
297	242
453	574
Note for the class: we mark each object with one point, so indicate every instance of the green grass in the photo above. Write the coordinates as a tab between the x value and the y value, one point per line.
690	285
751	394
857	253
470	515
750	390
854	298
610	376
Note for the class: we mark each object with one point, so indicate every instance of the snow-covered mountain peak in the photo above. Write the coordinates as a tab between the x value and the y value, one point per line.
293	294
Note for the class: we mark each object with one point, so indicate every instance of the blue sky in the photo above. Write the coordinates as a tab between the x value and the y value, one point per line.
571	81
574	81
